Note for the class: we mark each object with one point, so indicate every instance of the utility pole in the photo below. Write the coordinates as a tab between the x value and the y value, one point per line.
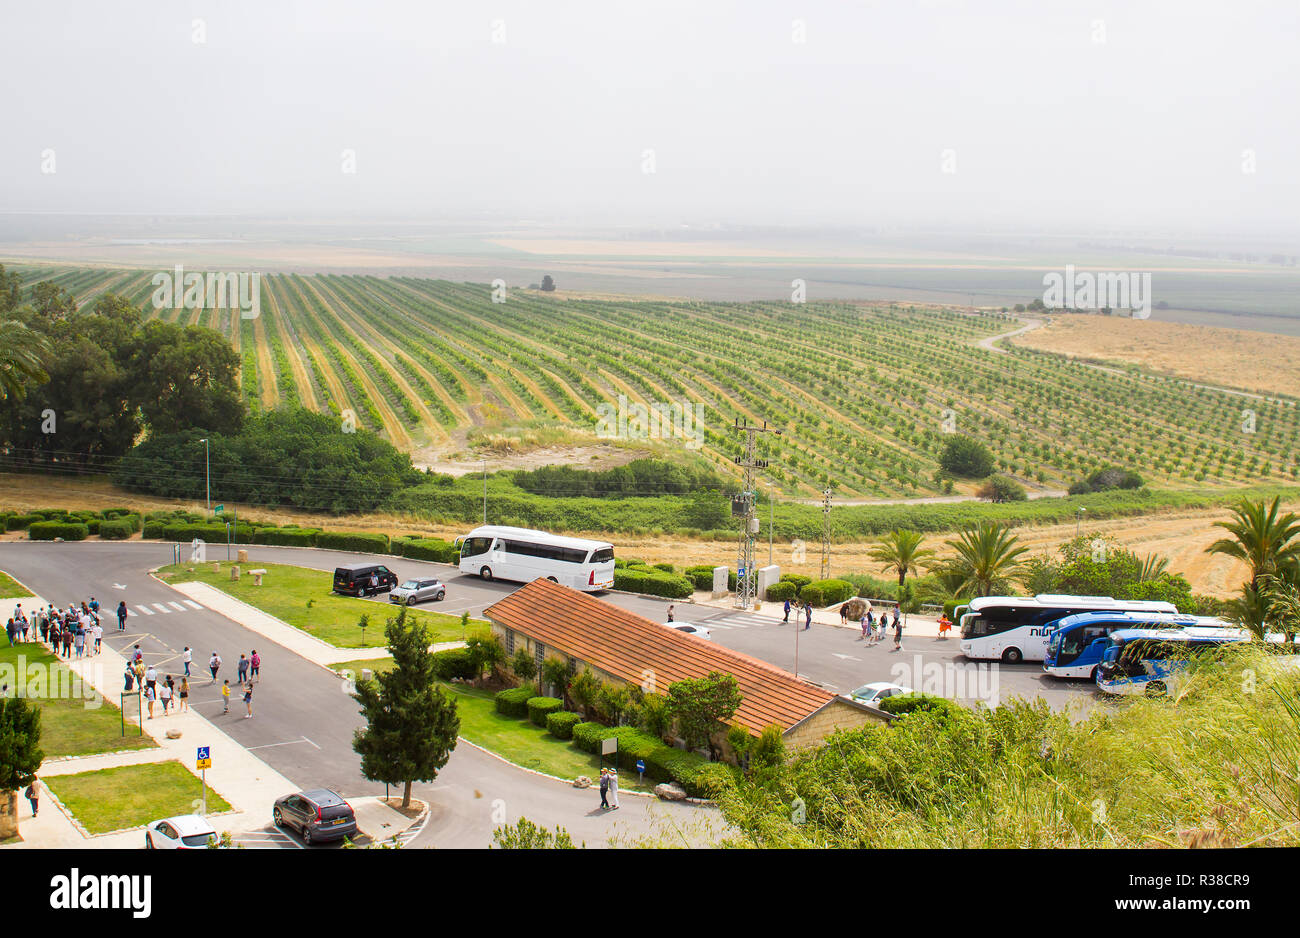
826	534
485	491
207	472
771	516
746	575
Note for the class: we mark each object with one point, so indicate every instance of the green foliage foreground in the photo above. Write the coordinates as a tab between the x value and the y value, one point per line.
1215	767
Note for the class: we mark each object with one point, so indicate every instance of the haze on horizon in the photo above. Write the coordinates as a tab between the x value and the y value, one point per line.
1060	117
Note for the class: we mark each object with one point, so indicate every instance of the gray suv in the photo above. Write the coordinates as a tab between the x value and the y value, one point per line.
319	815
417	590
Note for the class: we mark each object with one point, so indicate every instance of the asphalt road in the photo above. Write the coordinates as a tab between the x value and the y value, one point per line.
304	722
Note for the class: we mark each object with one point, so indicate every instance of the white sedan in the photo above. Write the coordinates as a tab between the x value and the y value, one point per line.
876	692
185	832
698	631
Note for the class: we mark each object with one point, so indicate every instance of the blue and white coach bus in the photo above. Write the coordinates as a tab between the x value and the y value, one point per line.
1077	642
1016	628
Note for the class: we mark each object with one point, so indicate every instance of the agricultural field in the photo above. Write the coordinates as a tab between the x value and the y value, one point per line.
866	394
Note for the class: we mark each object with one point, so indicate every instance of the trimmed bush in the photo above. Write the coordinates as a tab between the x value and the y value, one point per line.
352	540
827	592
701	576
19	522
901	704
287	537
115	529
426	548
560	724
539	708
513	702
665	568
49	530
677	765
781	591
798	579
454	663
653	583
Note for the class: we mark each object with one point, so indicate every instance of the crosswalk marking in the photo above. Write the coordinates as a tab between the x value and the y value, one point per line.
177	606
145	609
161	608
192	604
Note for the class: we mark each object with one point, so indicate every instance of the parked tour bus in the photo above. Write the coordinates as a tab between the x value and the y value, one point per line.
496	552
1077	642
1016	628
1155	661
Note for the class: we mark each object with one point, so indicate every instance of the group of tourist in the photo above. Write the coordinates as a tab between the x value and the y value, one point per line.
74	632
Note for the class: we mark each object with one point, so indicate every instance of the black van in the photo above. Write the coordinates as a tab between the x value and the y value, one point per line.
354	579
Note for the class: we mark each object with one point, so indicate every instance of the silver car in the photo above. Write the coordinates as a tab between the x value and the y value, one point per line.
417	591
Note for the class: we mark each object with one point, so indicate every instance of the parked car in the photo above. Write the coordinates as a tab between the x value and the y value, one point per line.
319	815
698	631
354	579
875	692
183	832
417	591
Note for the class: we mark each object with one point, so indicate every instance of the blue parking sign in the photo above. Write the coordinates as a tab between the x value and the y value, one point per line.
204	758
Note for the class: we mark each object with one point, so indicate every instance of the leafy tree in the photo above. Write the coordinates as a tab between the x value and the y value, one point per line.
53	302
988	555
966	456
548	285
187	378
524	665
525	835
555	672
901	553
20	755
999	489
655	720
1039	575
583	689
702	706
411	724
485	653
611	700
1261	537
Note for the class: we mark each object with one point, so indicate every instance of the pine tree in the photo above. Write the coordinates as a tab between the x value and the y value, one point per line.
411	723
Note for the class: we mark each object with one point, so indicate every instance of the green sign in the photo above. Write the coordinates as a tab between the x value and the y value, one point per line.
219	509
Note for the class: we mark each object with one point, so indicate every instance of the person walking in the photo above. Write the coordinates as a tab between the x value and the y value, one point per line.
670	612
787	611
248	700
214	665
121	616
165	695
185	695
79	640
807	608
99	638
33	796
68	627
374	584
863	624
945	625
242	668
613	788
255	666
844	613
136	655
128	678
225	697
150	695
604	788
151	678
186	657
898	633
11	633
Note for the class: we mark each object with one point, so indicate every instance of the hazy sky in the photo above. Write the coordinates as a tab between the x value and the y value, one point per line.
1053	114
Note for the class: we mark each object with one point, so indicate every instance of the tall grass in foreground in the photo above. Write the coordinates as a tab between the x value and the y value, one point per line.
1217	766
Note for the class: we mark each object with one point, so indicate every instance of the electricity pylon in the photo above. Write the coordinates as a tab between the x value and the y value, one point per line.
746	575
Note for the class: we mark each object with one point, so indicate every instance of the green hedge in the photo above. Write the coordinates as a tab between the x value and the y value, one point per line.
49	530
19	522
513	702
901	704
798	579
287	537
780	591
668	585
539	708
827	592
454	663
670	764
560	724
426	548
348	540
115	530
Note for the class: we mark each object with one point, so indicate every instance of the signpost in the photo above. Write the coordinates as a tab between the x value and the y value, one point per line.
640	769
203	762
607	747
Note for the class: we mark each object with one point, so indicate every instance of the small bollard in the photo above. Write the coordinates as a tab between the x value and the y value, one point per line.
365	674
216	566
243	556
234	573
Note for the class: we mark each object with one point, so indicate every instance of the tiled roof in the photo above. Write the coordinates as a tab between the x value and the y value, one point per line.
630	646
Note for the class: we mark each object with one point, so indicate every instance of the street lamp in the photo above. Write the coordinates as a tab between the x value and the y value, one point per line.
207	471
485	491
1078	519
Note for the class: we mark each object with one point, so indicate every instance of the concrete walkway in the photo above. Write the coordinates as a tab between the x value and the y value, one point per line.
915	625
245	781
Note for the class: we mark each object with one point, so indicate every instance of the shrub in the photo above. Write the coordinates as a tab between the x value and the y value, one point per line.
364	542
653	583
966	456
1000	489
560	723
514	701
19	522
454	663
901	704
115	530
539	708
676	765
524	665
713	778
701	576
49	530
427	548
587	736
665	567
827	592
781	591
798	579
287	536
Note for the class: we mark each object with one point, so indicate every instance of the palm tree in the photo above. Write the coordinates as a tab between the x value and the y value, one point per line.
1153	567
987	555
1260	538
901	553
22	353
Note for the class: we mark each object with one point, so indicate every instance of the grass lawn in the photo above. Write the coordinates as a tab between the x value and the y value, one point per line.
287	590
9	589
519	741
131	795
71	725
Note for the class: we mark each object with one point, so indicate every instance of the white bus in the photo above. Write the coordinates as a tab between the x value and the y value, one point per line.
1016	628
496	552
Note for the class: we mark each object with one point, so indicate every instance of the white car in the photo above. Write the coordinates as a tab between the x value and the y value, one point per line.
698	631
876	692
184	832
